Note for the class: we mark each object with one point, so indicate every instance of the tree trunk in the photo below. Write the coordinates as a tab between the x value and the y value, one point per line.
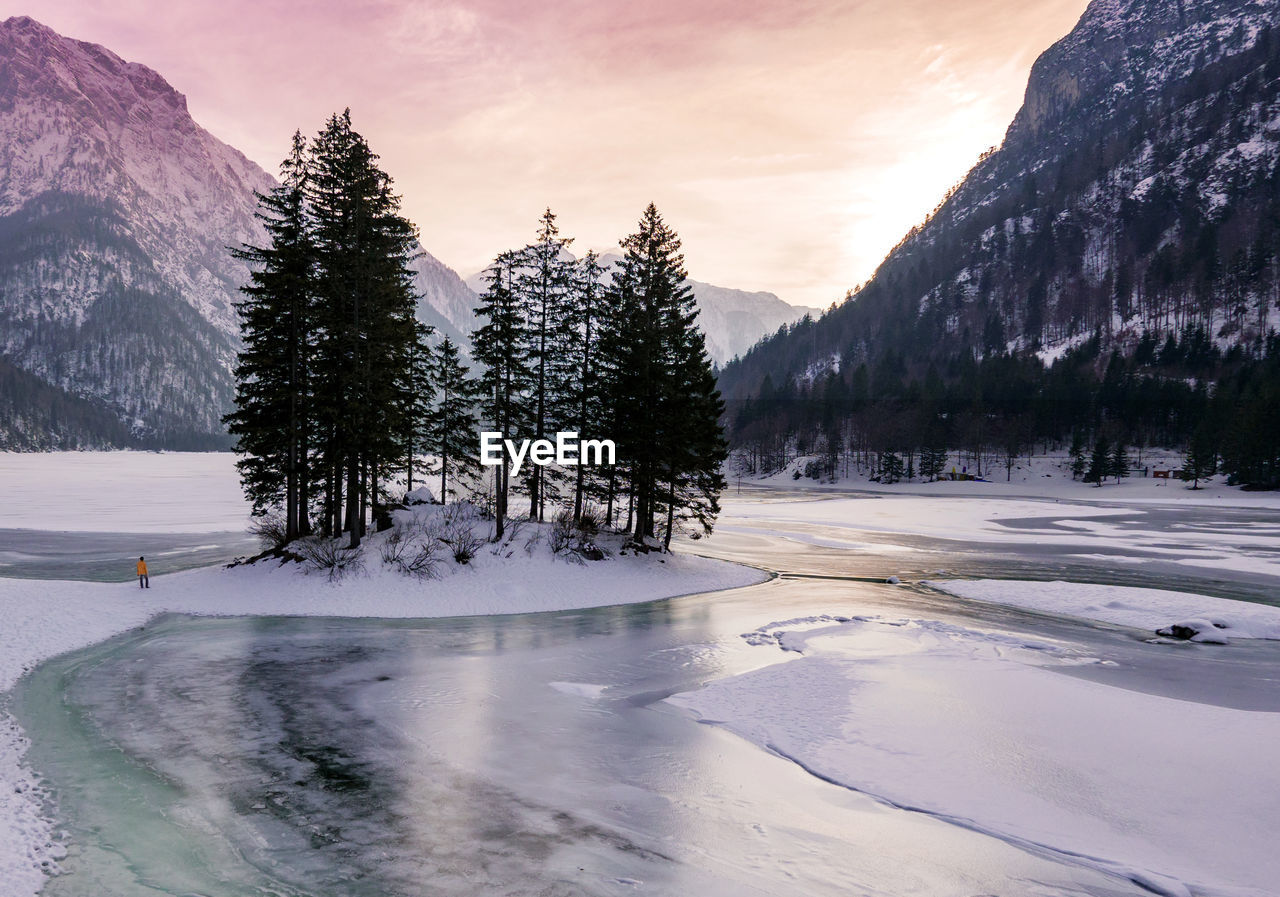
444	475
291	495
608	512
671	515
353	502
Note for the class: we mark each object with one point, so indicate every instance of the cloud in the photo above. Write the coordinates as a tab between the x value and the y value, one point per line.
791	144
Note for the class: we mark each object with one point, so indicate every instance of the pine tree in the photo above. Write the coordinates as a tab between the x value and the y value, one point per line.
274	372
366	320
452	422
1078	462
422	399
695	444
542	285
891	467
1201	459
1120	465
585	321
1099	463
933	460
498	344
662	385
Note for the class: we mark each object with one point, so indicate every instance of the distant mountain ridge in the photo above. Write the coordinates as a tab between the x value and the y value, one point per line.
1137	191
117	283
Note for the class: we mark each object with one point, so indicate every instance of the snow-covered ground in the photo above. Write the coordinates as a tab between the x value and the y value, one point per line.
1215	619
985	730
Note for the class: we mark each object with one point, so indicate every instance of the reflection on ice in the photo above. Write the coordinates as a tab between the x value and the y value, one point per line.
517	756
982	729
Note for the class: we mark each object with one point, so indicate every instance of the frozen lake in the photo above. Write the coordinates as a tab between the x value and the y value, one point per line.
920	744
522	755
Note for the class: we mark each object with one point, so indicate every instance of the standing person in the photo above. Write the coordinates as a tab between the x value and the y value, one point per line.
144	581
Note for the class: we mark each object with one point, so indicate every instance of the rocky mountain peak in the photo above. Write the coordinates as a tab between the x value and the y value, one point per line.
117	214
1121	48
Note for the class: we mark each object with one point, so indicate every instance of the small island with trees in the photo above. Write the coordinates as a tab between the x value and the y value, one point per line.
349	410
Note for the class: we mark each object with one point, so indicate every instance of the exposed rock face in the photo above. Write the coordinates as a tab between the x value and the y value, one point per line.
735	320
117	284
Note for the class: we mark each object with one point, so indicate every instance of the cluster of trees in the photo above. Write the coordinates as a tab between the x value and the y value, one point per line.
137	366
341	391
1106	460
1005	405
325	382
567	346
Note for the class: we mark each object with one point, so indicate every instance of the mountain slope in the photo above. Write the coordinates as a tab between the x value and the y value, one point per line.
1137	191
117	212
735	320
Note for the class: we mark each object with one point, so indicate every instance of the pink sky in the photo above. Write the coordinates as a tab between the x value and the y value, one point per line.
790	142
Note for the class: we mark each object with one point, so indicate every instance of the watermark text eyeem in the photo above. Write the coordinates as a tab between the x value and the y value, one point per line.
567	450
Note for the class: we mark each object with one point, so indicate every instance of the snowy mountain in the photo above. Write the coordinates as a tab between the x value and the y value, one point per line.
117	285
1136	195
735	320
731	320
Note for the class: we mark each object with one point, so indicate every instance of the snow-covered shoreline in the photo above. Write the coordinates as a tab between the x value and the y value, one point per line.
1217	619
1043	477
986	730
40	619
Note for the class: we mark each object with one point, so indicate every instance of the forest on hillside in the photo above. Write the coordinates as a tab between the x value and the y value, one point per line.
1117	277
1224	408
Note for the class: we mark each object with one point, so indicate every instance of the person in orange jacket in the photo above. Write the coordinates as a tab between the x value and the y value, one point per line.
144	581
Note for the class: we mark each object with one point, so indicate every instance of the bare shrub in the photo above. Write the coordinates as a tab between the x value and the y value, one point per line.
462	539
269	530
591	522
329	556
397	544
563	533
456	527
413	549
423	563
506	546
572	541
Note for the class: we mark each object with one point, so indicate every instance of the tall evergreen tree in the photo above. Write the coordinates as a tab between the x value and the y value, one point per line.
1120	464
1099	462
1078	462
452	422
274	373
422	397
366	321
499	345
663	385
585	323
1201	460
543	285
